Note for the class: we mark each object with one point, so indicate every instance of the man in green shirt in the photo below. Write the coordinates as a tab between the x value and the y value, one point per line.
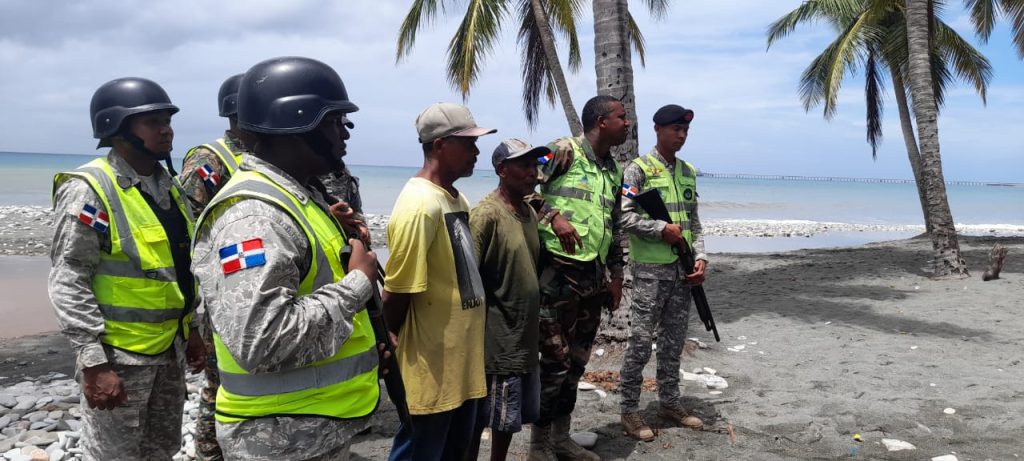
504	230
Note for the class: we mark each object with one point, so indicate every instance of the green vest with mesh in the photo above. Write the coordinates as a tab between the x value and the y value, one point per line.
135	285
585	196
679	191
342	386
228	157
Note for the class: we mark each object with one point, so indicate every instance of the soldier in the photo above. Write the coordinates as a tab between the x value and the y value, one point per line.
208	167
120	281
433	295
661	288
294	344
504	230
205	170
344	187
580	266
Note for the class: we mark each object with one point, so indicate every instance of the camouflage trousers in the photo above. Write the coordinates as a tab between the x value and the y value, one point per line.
147	426
662	308
572	295
207	448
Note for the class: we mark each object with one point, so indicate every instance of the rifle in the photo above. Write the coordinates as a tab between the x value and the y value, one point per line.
651	202
375	310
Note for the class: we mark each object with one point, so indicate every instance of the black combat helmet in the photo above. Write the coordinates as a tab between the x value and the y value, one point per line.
289	95
118	99
227	97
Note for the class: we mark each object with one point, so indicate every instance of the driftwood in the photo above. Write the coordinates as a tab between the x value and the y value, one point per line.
996	258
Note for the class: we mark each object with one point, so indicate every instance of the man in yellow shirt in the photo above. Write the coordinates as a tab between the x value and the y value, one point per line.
433	294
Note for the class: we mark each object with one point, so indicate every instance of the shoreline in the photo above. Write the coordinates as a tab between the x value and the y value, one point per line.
817	345
26	230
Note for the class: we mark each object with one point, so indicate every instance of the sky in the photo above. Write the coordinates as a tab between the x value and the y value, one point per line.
707	56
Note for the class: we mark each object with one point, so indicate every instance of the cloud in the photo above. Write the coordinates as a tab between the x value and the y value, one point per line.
710	56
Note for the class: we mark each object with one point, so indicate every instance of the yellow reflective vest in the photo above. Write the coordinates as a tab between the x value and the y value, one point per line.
136	285
585	196
679	191
228	157
342	386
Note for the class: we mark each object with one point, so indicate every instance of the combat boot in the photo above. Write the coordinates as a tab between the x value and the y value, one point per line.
635	427
679	415
565	446
540	444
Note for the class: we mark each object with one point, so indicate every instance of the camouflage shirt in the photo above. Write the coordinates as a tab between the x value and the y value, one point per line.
561	161
265	326
345	187
199	194
633	223
75	255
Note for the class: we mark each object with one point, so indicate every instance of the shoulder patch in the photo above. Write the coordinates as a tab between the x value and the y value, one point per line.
94	218
238	256
629	191
544	160
210	178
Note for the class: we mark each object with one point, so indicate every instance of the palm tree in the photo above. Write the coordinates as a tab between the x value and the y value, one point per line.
616	34
944	241
476	36
873	32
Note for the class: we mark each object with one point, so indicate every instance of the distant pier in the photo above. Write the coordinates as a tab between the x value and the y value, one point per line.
775	177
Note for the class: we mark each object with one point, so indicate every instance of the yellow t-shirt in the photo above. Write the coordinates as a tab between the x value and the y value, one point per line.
441	345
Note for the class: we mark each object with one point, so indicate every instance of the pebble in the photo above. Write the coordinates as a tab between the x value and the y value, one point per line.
897	445
585	386
946	458
949	411
713	381
585	439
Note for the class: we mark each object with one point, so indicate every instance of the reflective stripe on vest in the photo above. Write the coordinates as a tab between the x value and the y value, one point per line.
135	285
229	158
673	192
344	385
585	196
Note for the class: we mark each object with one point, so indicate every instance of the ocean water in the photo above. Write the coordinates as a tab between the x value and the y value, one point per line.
25	179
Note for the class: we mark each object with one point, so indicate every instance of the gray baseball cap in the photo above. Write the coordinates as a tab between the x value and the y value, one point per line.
515	148
447	119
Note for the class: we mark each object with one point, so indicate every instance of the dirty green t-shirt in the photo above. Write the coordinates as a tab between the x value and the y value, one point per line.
507	248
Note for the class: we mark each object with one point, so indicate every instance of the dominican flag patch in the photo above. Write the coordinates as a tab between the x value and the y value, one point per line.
210	178
629	191
249	253
94	218
544	160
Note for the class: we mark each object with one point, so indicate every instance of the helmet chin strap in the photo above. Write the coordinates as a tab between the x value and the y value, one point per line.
140	145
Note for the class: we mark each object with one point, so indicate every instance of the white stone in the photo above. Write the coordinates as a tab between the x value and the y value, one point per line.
599	352
741	338
654	346
8	400
73	424
600	393
949	411
713	381
55	415
715	392
4	421
44	400
687	376
946	458
740	347
710	371
897	445
585	439
913	348
35	416
585	386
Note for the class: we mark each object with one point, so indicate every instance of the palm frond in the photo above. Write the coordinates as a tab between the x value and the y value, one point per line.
1014	11
636	39
821	81
657	8
473	40
969	64
873	91
983	16
941	76
563	16
421	11
834	11
536	78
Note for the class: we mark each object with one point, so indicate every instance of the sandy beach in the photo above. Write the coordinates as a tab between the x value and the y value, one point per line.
817	346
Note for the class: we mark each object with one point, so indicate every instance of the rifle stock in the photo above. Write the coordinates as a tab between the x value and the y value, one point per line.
652	203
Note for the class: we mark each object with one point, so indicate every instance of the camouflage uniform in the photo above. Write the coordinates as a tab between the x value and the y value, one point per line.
660	304
199	194
266	328
572	295
343	186
149	424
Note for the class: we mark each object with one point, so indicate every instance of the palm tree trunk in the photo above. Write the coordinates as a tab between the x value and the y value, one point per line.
555	67
948	260
900	88
613	63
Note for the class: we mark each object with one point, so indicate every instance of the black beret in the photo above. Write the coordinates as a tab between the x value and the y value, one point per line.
673	115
